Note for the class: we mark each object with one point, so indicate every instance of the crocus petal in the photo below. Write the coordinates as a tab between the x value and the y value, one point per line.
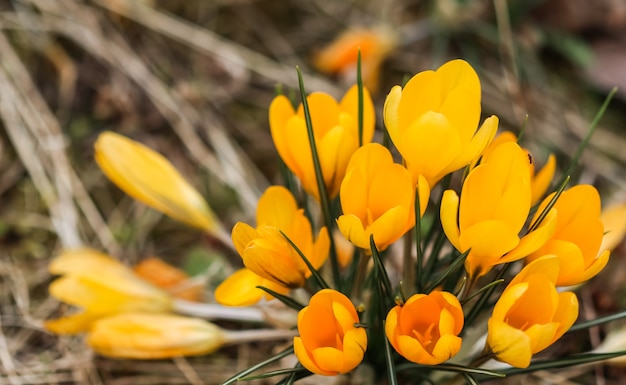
543	178
449	214
306	361
150	178
242	289
509	344
614	221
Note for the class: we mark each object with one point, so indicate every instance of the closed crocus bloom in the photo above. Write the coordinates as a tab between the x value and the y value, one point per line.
494	205
266	252
153	336
335	127
578	235
151	179
614	221
242	289
531	314
100	286
377	198
433	120
425	329
329	342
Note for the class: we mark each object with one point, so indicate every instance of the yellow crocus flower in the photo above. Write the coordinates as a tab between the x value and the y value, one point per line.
150	178
578	235
329	342
433	120
377	198
335	127
100	286
154	336
494	206
242	289
531	314
425	330
266	252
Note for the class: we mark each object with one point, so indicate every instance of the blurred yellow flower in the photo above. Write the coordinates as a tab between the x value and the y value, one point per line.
267	253
433	120
377	198
341	55
169	278
335	127
531	314
494	205
151	179
153	336
540	180
241	289
329	342
614	220
425	329
100	286
578	235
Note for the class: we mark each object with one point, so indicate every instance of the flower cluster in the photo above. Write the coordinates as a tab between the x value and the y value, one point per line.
458	195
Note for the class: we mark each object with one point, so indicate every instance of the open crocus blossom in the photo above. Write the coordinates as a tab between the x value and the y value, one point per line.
100	286
494	205
433	120
531	314
377	198
425	329
242	289
578	235
336	132
154	336
151	179
329	342
266	251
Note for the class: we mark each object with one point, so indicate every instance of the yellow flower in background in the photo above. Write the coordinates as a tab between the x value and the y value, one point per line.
150	178
329	342
540	180
341	55
494	205
531	314
578	235
425	329
153	336
335	127
614	220
241	289
433	120
171	279
377	198
100	286
267	253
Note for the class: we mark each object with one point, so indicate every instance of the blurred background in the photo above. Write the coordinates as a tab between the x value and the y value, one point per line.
193	80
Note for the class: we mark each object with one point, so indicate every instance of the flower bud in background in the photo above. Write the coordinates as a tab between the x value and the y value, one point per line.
614	220
433	121
100	286
578	235
153	336
494	205
329	342
151	179
169	278
341	55
336	131
267	253
531	314
241	289
425	329
377	198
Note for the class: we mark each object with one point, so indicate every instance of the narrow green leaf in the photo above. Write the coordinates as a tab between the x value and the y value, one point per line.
470	380
383	277
451	368
454	266
391	365
484	296
522	130
481	290
418	246
277	357
597	321
592	128
551	204
321	186
314	273
288	301
273	373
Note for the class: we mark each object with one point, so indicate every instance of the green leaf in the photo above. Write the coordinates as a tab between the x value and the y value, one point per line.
454	266
274	373
451	368
481	290
551	204
597	321
277	357
391	366
288	301
382	275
